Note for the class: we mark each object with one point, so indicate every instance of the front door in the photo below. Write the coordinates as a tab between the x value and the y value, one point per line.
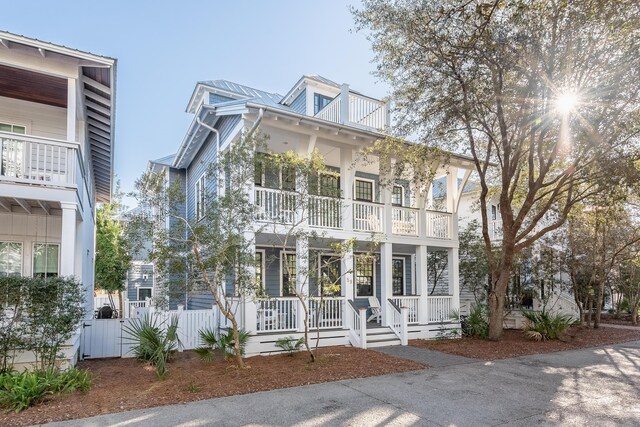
398	276
330	275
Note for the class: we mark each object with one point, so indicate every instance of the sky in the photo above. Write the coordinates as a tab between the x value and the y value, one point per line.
164	48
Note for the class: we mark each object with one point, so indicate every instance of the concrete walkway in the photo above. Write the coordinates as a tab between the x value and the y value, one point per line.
597	386
435	359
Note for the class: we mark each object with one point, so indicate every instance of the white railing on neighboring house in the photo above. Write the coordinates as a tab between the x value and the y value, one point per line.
103	299
413	306
277	314
133	309
275	205
405	221
439	308
357	325
368	216
325	212
398	321
438	224
326	313
36	160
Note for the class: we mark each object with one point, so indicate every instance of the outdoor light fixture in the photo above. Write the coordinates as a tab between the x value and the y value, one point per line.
566	102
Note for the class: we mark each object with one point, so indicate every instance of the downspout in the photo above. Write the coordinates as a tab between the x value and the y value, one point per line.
212	129
257	123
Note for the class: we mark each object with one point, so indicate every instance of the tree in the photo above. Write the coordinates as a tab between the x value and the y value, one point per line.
546	91
629	286
113	258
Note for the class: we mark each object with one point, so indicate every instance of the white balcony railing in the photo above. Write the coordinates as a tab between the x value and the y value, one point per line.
439	308
277	314
367	216
275	206
325	212
495	230
362	111
438	224
405	221
36	160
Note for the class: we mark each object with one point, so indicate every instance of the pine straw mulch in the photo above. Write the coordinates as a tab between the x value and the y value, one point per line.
125	384
515	344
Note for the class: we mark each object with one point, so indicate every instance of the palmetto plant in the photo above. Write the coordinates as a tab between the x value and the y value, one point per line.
155	340
542	325
224	342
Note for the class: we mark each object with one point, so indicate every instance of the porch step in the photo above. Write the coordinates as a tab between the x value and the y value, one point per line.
381	336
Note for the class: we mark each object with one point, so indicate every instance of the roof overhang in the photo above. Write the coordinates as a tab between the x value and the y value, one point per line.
97	87
201	89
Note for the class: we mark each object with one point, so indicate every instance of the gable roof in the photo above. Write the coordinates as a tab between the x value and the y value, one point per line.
241	90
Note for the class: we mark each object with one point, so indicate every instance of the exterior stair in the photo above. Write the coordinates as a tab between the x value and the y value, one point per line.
381	337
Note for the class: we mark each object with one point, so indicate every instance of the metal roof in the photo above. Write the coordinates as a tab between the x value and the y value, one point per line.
166	160
242	90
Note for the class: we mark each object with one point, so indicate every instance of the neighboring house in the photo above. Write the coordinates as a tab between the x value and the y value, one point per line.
526	290
56	138
317	113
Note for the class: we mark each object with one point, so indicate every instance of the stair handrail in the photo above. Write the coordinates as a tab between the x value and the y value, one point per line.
357	325
399	320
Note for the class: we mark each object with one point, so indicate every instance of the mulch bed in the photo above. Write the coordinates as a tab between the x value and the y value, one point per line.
515	344
624	319
125	384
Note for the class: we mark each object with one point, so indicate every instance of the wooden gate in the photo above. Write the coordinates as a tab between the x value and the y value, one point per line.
104	338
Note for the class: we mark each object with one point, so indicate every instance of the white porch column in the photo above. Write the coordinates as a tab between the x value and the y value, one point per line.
422	284
346	284
302	277
249	311
71	109
453	263
386	186
347	176
68	240
386	279
344	103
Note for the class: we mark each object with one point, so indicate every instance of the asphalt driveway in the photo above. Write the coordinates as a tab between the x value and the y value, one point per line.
598	386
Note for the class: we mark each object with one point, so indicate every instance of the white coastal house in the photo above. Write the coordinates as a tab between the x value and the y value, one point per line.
339	122
56	142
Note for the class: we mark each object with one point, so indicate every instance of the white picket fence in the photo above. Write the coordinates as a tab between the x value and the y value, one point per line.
109	338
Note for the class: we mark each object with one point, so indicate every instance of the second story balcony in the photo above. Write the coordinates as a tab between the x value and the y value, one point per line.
357	110
285	208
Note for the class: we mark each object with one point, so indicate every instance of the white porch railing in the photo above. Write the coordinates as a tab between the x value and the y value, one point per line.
325	212
438	224
132	308
362	111
277	314
327	314
405	221
37	160
439	308
367	216
275	205
413	305
398	322
357	325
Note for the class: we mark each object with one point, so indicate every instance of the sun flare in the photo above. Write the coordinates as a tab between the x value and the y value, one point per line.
566	102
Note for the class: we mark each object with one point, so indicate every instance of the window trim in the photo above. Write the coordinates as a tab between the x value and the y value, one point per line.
494	212
144	287
374	261
402	189
22	263
200	196
33	254
317	95
263	273
281	268
404	276
373	189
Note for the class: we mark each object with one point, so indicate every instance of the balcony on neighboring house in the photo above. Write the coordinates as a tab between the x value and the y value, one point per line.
357	110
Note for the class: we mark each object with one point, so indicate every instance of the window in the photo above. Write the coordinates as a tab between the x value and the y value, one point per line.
364	190
144	293
260	268
320	101
258	172
288	179
268	175
397	276
364	276
329	275
200	197
10	259
328	185
45	260
6	127
494	212
397	196
288	275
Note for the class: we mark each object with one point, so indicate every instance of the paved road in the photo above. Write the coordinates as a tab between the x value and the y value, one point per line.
598	387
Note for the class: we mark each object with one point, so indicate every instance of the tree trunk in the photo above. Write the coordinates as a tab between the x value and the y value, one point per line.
598	306
496	305
120	306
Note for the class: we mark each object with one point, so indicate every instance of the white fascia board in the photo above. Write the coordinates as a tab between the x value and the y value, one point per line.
294	91
188	139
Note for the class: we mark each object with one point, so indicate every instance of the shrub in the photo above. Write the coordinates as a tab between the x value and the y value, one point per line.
542	325
18	391
209	342
155	341
290	344
226	343
476	324
38	315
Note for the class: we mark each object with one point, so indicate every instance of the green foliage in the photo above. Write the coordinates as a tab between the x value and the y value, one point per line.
226	343
542	325
473	266
38	315
155	341
290	344
209	343
19	391
477	322
112	249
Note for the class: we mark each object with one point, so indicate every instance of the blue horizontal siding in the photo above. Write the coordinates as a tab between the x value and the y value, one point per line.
299	105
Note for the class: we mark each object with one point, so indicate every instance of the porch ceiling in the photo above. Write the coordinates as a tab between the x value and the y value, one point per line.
29	206
31	86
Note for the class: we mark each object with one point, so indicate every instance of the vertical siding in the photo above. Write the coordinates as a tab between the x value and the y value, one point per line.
299	105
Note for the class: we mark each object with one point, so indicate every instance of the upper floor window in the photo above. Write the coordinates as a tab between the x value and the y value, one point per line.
200	197
45	260
364	190
289	275
320	101
268	175
10	259
7	127
397	196
494	212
